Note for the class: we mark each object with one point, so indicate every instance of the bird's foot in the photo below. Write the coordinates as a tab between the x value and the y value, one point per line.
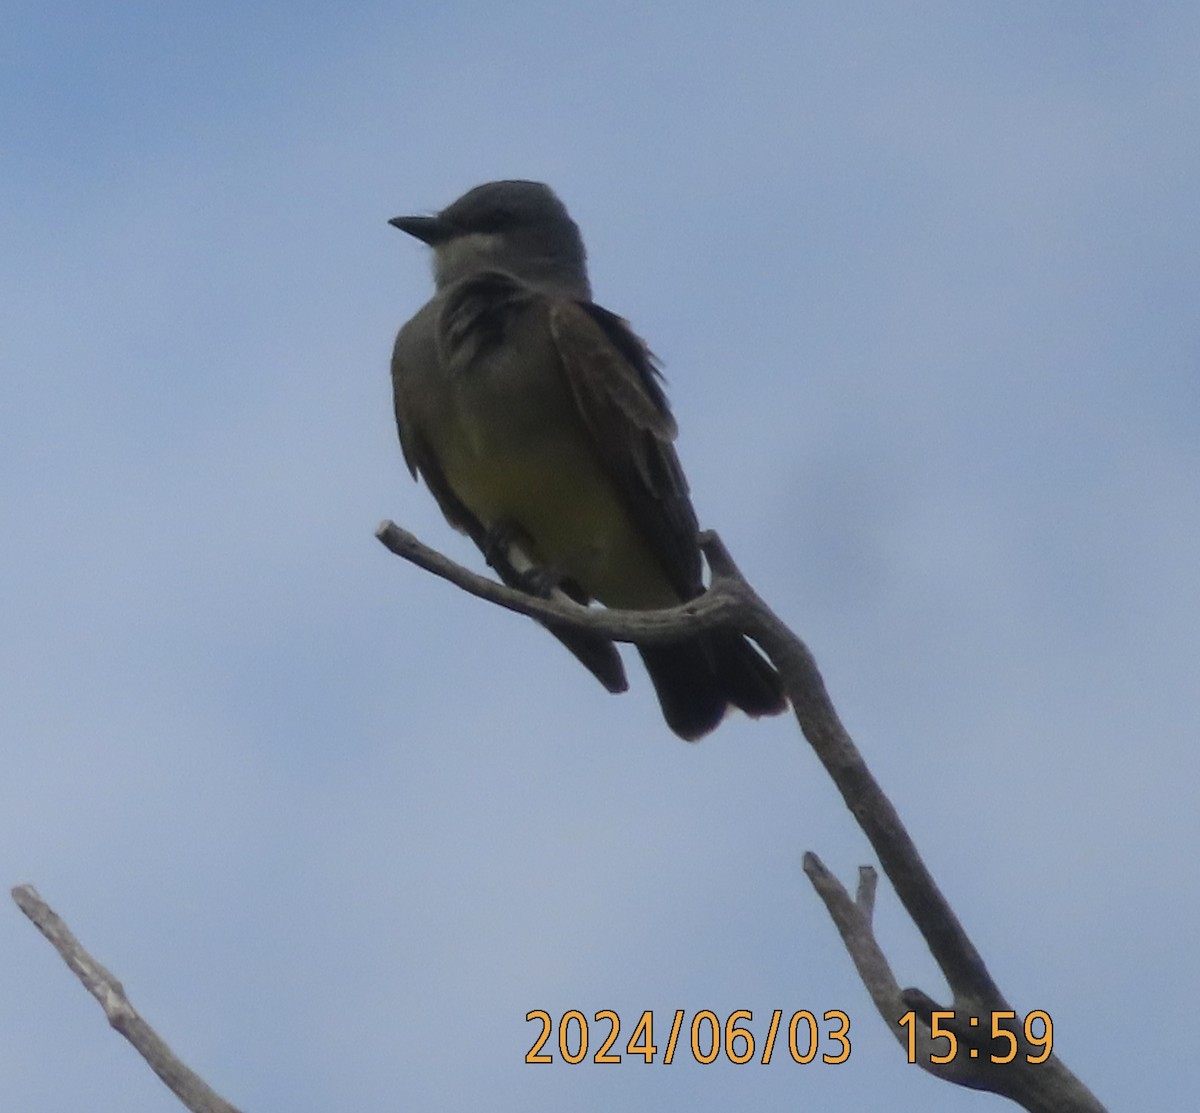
500	545
540	581
505	548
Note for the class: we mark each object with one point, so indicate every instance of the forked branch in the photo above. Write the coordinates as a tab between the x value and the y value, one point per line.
1043	1085
1031	1076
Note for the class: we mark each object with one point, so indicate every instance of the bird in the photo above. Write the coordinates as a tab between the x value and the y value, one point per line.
538	421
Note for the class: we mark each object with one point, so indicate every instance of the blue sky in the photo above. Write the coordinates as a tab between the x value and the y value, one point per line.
923	277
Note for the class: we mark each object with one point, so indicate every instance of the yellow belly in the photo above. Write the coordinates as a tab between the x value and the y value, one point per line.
550	485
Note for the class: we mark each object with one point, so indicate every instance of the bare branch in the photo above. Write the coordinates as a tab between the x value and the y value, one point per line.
1046	1087
714	608
189	1087
853	918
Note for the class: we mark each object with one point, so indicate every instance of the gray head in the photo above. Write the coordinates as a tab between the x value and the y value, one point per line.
518	227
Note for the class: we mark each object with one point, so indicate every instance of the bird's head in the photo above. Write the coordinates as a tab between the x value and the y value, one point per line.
517	227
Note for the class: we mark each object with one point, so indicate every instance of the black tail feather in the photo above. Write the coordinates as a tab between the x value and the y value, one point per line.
698	680
749	679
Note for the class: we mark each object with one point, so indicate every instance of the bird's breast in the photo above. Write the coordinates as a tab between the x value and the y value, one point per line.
535	467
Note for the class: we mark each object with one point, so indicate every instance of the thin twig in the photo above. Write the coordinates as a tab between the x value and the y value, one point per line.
712	609
184	1083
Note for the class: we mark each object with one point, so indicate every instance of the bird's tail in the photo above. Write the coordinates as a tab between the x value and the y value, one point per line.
698	680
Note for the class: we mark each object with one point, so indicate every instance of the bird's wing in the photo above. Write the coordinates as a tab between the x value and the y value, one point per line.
414	357
615	385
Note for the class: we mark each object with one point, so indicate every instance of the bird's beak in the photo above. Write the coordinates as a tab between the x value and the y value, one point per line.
428	229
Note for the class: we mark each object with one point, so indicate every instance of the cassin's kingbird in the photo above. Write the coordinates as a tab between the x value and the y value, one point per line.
538	421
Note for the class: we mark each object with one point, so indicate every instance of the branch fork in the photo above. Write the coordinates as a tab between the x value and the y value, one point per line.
730	602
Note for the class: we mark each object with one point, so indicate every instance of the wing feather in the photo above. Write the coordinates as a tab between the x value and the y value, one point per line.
615	385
